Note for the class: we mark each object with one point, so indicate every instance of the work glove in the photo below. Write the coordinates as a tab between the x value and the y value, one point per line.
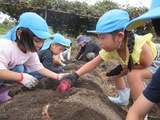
67	82
116	71
73	77
61	75
28	80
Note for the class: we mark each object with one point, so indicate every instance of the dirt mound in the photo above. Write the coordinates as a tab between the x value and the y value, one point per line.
87	100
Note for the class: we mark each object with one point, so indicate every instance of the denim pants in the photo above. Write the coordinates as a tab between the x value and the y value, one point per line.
34	74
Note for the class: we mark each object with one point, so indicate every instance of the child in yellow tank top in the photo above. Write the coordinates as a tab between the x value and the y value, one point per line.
137	55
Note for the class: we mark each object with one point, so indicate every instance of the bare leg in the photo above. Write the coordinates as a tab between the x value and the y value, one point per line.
124	93
135	78
118	80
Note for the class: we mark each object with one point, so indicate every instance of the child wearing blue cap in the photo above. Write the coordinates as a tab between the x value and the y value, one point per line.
64	56
151	95
131	51
89	49
19	47
50	49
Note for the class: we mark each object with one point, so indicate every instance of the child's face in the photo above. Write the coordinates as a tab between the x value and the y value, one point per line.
57	49
83	44
38	43
108	42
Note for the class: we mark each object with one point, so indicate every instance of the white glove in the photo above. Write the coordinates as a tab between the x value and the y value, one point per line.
61	76
28	80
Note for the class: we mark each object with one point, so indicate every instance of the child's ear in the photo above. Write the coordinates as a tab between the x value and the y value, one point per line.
121	35
19	33
53	44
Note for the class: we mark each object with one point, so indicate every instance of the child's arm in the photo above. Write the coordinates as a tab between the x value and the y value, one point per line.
146	57
68	54
47	73
57	59
23	78
139	109
61	57
89	66
79	53
84	69
6	74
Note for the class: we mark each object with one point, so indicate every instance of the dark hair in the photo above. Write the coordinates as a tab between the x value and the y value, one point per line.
129	36
156	25
58	44
26	39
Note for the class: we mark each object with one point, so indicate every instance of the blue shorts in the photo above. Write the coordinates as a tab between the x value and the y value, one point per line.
152	92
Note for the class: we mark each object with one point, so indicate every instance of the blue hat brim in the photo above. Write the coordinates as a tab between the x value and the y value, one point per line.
152	14
11	34
47	44
96	32
42	34
62	41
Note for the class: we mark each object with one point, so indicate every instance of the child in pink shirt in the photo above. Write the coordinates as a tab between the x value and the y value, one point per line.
19	47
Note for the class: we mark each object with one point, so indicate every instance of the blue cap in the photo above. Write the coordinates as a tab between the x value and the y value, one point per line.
32	21
153	13
111	21
58	38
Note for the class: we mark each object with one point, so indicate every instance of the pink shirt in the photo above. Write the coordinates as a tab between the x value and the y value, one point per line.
11	55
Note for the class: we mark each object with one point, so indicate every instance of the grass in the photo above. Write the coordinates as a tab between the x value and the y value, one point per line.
4	29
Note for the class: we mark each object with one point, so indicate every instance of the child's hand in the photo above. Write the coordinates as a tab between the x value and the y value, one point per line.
57	59
28	80
62	75
116	71
73	77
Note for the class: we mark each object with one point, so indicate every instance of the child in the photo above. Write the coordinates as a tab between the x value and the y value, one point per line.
19	46
64	56
151	95
119	44
50	49
89	49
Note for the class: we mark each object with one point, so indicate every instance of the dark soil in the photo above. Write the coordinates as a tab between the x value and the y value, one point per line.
87	100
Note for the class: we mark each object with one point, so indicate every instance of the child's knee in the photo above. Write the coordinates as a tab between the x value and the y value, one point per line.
18	68
133	77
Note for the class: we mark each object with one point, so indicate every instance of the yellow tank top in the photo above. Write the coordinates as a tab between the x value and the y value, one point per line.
139	42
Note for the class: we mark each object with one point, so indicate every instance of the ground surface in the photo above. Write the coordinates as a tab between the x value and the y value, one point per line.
87	100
